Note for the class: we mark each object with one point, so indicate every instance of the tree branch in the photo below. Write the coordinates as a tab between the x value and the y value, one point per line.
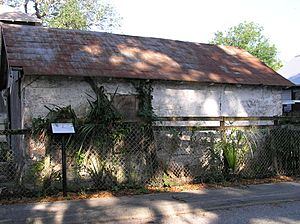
38	13
25	6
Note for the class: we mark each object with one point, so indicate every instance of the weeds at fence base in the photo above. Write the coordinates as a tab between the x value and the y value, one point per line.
124	190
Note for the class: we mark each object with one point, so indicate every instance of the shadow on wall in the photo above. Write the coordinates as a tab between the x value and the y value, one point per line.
190	99
2	105
119	56
130	55
167	59
179	61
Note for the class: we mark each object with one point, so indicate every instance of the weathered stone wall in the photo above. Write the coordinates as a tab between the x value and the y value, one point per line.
187	154
215	100
169	98
63	91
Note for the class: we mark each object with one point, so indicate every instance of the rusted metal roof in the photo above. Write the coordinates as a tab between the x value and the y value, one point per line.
11	15
45	51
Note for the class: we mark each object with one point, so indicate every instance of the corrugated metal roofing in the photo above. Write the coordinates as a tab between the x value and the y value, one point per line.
45	51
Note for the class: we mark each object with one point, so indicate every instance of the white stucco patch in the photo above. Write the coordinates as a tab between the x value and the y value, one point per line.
218	100
185	100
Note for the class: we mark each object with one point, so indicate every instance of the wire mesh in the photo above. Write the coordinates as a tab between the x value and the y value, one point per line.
140	155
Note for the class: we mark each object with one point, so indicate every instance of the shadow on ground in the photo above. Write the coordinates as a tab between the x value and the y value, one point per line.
162	207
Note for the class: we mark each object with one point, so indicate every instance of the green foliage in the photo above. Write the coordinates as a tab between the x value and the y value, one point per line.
42	175
99	134
166	180
96	134
234	146
99	127
5	154
72	14
70	17
38	167
100	14
97	169
101	108
230	153
144	89
142	190
41	126
115	188
42	172
248	36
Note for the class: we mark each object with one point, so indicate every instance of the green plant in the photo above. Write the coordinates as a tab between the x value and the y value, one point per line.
115	188
249	36
41	128
68	197
43	175
82	193
5	154
96	168
99	134
166	180
142	190
101	126
234	145
230	153
144	89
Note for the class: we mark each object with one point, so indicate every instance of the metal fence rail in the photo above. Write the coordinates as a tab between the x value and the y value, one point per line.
139	155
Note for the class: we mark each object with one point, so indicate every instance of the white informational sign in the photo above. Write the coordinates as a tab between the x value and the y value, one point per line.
62	128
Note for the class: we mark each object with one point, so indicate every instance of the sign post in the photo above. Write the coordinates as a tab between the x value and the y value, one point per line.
63	129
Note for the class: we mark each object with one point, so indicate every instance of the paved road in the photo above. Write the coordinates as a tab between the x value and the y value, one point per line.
273	203
274	213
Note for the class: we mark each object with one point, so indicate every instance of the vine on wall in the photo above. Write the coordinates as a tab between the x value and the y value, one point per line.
100	129
144	89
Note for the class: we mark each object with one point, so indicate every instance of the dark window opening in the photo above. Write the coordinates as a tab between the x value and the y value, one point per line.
127	106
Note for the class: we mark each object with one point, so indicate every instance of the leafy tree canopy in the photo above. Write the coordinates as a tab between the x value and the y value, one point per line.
248	35
71	14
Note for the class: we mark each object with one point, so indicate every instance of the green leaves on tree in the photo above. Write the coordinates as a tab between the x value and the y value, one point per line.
71	14
249	36
70	17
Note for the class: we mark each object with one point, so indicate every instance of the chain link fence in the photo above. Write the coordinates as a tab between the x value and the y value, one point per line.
136	155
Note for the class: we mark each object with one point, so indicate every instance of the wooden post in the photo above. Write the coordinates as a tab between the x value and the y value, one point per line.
222	132
276	121
222	124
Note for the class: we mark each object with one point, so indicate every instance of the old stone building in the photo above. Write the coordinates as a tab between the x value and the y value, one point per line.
43	66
